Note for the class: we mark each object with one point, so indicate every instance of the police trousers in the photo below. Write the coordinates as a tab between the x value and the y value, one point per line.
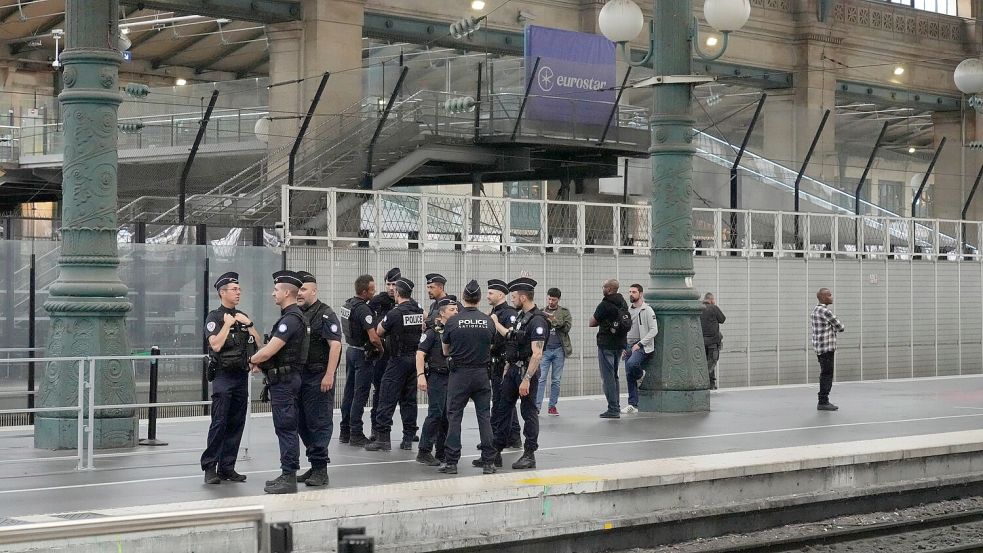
504	413
468	383
315	417
230	394
398	388
514	432
356	391
434	433
284	396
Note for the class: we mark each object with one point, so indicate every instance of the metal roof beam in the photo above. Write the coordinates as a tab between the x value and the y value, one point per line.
226	51
259	11
182	47
245	71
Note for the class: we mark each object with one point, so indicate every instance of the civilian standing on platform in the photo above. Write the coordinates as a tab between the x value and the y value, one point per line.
825	327
711	318
613	321
380	304
232	338
557	349
641	344
358	324
431	377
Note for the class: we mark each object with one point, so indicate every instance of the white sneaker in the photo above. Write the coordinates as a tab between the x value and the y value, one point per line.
630	410
641	378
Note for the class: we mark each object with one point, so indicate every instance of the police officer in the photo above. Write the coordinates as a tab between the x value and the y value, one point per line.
435	291
232	337
358	324
467	342
283	360
380	305
403	327
317	380
431	377
524	349
497	293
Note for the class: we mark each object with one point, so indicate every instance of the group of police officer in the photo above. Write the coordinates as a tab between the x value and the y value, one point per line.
455	353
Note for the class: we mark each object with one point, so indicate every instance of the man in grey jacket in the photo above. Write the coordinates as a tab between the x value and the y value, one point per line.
641	344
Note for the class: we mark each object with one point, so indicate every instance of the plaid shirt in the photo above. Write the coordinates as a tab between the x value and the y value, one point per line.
825	326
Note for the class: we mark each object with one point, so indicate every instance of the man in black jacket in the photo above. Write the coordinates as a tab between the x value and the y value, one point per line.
611	341
711	318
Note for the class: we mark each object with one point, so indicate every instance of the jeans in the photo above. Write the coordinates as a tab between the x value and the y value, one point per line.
633	373
229	398
434	434
825	375
607	360
552	362
713	355
315	418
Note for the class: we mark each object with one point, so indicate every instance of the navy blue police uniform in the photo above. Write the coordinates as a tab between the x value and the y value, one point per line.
506	317
380	305
356	320
283	374
531	326
316	421
228	370
403	327
434	433
432	310
468	336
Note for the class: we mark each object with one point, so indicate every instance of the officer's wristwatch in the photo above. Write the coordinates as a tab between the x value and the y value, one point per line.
527	376
250	325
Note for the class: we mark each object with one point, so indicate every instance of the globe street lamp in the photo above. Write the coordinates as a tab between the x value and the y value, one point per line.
676	374
969	80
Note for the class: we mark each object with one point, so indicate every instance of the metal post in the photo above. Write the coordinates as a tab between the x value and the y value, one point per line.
88	302
303	128
530	77
802	170
928	173
734	199
152	410
969	200
31	334
205	291
614	108
367	177
870	163
477	107
202	125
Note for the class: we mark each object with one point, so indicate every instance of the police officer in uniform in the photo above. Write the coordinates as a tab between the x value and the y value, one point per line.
497	294
524	349
403	327
232	338
467	342
380	305
436	292
358	324
317	380
282	360
431	377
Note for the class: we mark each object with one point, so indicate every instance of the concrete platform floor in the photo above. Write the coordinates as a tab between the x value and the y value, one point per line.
741	420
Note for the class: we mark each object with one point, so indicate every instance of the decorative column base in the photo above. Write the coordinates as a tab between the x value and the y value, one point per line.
676	376
106	433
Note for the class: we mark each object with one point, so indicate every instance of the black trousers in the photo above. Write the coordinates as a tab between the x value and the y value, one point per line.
398	388
434	433
504	413
466	384
229	398
825	375
315	418
284	401
514	431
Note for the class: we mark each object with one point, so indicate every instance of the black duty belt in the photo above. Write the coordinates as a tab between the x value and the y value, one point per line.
482	367
357	347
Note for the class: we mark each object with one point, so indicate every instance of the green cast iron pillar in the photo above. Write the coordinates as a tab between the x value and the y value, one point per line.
87	303
676	375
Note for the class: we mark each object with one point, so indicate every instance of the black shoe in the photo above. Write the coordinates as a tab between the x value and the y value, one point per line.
301	478
285	483
527	461
406	444
358	440
344	437
424	457
488	468
448	469
381	443
316	477
514	444
232	476
826	407
211	477
416	438
610	415
497	461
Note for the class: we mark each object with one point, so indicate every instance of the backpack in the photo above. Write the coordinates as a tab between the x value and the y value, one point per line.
622	324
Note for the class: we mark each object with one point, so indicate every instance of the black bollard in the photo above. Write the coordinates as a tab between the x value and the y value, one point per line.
152	411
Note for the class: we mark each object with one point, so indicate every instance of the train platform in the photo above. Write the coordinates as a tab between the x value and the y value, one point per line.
748	434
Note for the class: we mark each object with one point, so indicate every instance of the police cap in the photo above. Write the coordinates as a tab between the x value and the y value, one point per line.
404	285
472	289
393	275
287	277
446	300
228	278
500	285
522	284
434	277
306	277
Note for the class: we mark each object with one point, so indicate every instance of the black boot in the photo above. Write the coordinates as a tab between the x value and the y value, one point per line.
448	469
232	476
301	478
211	477
488	468
316	477
406	444
381	443
527	461
285	483
426	458
344	437
497	461
515	443
358	440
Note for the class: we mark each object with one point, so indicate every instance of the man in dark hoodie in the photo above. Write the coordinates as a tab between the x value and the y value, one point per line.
609	318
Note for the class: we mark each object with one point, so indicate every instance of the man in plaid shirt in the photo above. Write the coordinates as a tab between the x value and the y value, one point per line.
825	327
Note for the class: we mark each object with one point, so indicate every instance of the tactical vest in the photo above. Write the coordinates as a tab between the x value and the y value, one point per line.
294	353
407	338
499	342
435	357
317	353
355	333
519	346
233	355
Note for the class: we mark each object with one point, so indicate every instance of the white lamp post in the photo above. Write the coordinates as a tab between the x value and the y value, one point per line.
969	80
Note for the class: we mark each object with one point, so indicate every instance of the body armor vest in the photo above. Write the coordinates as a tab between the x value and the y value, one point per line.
234	353
355	333
294	354
317	353
405	340
518	345
435	357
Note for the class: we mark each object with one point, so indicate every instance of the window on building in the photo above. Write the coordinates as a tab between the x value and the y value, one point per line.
889	195
947	7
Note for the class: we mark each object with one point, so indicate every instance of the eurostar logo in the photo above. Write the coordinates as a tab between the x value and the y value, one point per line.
545	78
